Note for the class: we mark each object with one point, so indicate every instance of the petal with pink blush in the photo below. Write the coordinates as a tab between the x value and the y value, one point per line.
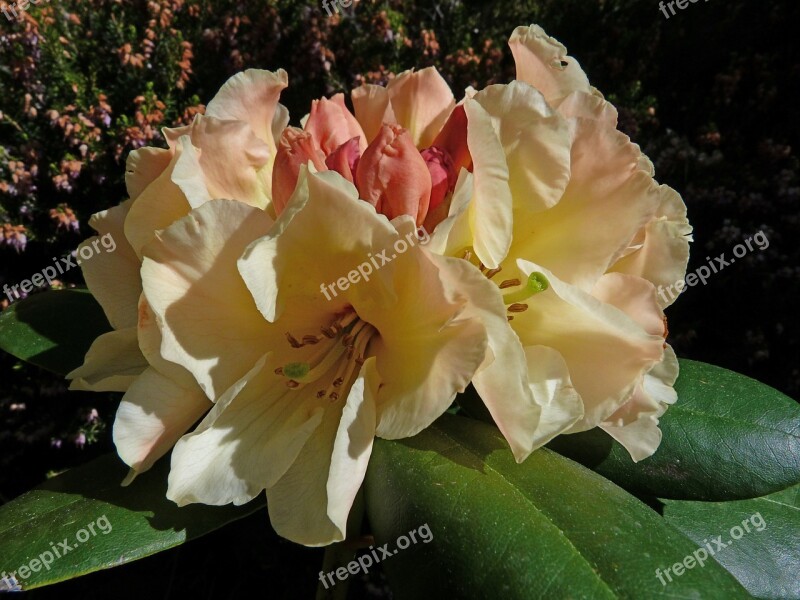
543	63
373	108
421	102
332	124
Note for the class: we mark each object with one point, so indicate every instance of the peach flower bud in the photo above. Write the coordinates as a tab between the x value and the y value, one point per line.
332	124
296	148
453	140
344	159
393	176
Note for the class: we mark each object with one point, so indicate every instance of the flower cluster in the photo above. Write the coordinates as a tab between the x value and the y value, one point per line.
548	239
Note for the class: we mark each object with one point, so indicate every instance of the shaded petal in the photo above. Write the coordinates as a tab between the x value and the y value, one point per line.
543	62
143	166
210	322
421	102
311	502
246	443
154	413
112	364
223	159
157	207
429	347
113	276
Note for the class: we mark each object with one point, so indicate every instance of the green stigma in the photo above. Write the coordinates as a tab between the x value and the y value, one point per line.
296	370
536	284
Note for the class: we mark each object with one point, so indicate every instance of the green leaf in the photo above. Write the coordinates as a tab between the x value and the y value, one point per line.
546	528
129	523
728	437
54	329
766	557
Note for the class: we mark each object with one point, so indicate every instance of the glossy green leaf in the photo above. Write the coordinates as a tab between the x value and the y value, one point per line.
766	556
727	437
103	524
548	528
53	330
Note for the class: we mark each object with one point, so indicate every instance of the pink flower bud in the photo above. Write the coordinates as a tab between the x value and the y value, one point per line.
393	176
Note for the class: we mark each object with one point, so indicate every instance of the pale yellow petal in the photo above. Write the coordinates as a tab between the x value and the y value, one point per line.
492	206
143	167
311	502
246	443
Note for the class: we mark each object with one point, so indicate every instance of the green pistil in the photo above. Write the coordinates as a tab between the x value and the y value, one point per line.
296	370
536	284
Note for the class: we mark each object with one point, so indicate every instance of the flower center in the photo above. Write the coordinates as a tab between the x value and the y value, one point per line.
342	350
514	299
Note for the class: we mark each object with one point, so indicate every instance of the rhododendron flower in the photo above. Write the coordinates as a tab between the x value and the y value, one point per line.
547	235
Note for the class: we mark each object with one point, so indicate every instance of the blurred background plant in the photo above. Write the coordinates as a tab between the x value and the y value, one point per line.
710	95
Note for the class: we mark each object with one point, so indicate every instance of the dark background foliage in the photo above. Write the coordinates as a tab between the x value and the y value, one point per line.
710	94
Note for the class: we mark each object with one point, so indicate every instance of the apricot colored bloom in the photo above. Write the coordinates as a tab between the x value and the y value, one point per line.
548	236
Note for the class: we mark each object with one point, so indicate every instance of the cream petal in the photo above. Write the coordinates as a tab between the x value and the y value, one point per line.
113	276
421	102
154	413
324	232
311	502
453	235
143	166
492	207
252	96
502	378
589	335
608	200
663	254
112	363
247	442
635	424
543	63
223	159
536	142
157	207
210	324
